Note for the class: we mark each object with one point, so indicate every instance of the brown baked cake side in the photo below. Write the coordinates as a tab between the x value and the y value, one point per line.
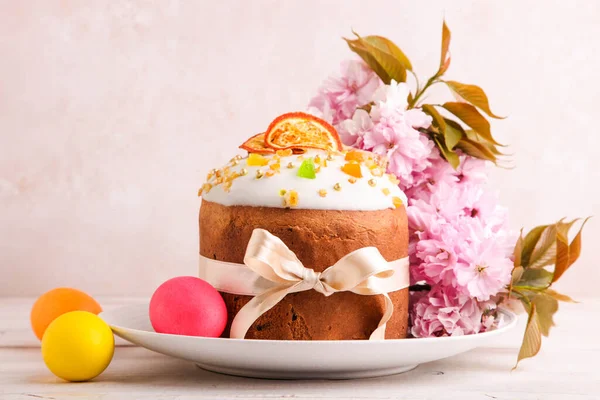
319	238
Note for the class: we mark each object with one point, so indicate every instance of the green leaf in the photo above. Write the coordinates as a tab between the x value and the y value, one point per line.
573	250
449	155
529	243
390	47
476	149
544	251
559	296
470	116
472	94
454	132
532	339
546	306
445	58
382	56
535	279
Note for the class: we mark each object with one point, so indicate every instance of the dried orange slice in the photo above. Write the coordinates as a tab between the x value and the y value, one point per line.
256	144
299	130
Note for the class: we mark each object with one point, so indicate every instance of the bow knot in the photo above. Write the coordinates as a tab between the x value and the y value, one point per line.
312	279
363	271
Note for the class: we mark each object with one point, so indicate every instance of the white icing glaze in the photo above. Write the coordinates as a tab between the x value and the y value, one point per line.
249	191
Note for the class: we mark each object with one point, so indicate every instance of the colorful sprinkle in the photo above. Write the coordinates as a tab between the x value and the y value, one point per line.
372	182
243	172
275	167
337	187
270	173
397	202
290	165
282	192
259	174
322	192
386	191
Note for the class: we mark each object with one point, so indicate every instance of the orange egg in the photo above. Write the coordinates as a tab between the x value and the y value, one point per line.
55	303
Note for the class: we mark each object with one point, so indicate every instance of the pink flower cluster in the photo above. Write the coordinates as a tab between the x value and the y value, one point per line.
460	246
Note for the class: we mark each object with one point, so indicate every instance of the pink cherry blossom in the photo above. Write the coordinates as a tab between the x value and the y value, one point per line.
352	131
343	93
459	241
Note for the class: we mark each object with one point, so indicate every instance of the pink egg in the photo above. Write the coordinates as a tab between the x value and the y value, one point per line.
187	305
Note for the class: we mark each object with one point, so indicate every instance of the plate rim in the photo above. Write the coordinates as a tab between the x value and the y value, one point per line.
509	314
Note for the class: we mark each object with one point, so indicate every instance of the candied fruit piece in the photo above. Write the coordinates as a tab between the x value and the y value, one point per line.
377	172
284	153
275	167
293	198
352	170
256	160
397	201
317	160
307	169
282	192
354	155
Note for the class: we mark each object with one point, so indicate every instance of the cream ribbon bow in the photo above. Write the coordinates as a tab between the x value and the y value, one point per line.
363	271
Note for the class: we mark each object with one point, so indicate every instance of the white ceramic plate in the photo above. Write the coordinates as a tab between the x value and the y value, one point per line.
287	359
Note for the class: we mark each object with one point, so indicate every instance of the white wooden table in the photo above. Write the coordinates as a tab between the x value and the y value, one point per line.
567	368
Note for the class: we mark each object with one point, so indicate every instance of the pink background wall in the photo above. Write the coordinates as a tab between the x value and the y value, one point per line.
111	115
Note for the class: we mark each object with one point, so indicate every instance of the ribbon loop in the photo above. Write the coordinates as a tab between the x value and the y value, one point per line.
363	272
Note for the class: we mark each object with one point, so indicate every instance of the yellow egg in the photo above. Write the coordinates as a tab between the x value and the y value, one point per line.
78	346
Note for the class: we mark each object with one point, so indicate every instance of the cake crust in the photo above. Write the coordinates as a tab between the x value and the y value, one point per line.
319	238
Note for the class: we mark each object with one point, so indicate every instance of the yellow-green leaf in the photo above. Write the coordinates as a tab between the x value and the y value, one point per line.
546	306
445	58
476	149
363	51
453	133
545	250
573	252
449	155
380	57
532	339
535	278
559	296
474	95
529	243
390	47
517	274
473	135
470	116
438	120
518	250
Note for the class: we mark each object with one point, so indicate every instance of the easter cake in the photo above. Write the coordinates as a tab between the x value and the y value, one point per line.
323	201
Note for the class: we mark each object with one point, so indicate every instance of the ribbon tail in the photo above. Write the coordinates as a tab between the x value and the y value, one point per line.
257	307
379	333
